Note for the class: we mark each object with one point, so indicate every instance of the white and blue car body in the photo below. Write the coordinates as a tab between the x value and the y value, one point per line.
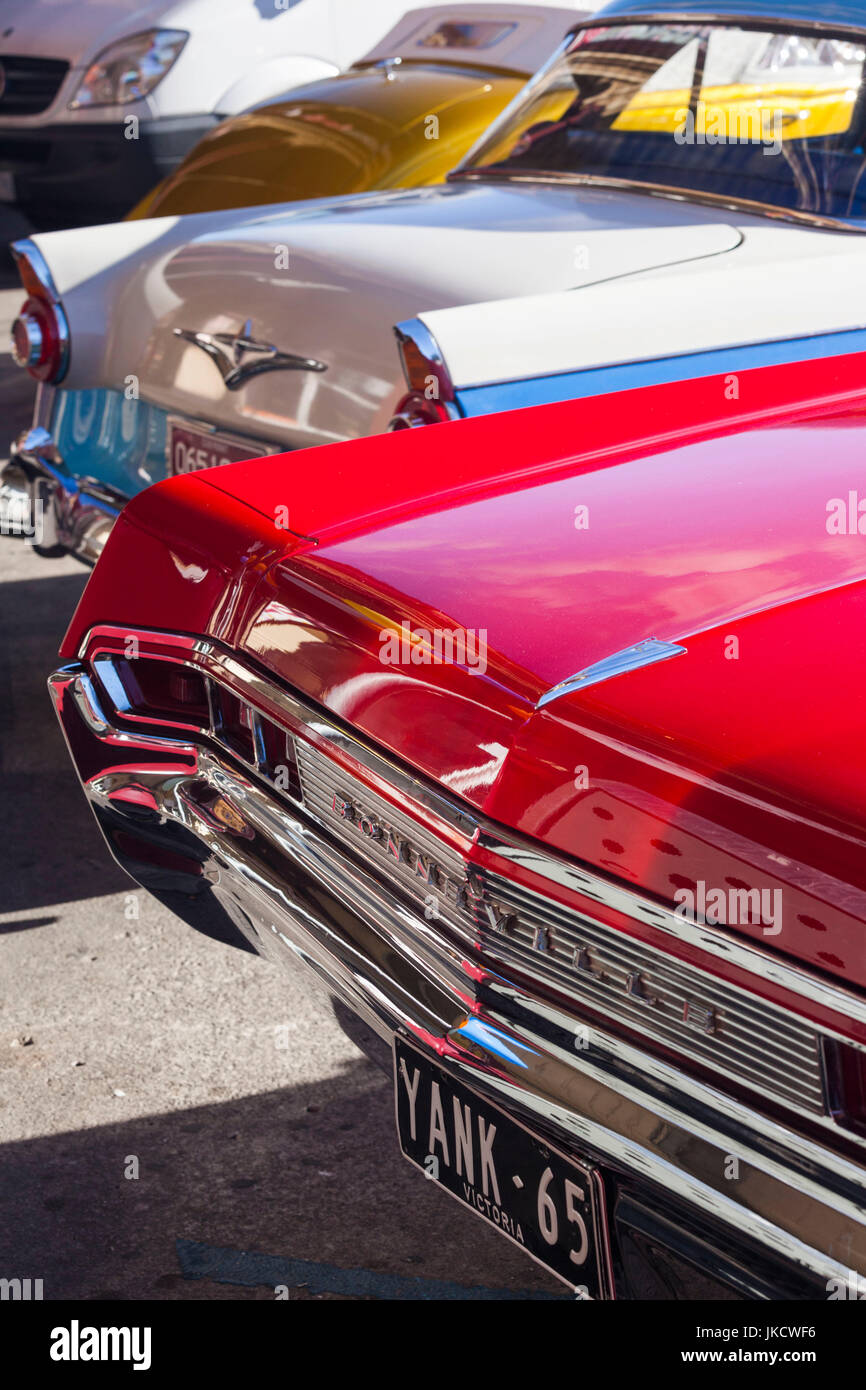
585	245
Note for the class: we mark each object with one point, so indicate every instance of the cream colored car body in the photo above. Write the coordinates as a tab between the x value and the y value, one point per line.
328	280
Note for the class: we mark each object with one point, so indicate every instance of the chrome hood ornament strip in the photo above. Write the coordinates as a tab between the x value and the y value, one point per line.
238	356
644	653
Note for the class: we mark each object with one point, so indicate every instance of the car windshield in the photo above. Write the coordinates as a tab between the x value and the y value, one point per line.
769	117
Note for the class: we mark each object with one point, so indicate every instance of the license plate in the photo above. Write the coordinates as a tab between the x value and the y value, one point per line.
190	449
550	1205
7	186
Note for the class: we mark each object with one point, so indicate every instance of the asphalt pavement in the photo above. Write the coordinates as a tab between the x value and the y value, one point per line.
178	1119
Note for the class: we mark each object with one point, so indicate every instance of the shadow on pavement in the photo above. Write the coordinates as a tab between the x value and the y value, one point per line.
231	1196
50	849
25	924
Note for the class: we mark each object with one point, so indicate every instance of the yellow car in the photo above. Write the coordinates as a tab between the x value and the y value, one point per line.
740	111
402	116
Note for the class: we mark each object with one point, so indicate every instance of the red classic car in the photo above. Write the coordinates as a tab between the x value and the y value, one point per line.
538	744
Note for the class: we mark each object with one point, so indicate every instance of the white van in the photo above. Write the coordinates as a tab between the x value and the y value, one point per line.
101	98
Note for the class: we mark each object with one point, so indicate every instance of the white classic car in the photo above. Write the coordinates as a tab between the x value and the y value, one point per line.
100	98
603	233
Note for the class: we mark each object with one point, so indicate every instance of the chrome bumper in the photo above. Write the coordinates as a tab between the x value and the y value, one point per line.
67	515
768	1209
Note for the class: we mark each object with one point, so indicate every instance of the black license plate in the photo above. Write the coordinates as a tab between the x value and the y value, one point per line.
550	1205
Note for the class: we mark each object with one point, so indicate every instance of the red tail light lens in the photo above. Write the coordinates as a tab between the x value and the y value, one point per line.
415	410
38	340
40	334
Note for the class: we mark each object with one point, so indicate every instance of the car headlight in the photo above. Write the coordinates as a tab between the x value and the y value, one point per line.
129	69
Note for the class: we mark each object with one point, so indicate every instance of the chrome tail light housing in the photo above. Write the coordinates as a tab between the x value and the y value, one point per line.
431	399
40	333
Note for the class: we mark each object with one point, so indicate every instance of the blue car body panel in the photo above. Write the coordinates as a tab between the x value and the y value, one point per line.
118	442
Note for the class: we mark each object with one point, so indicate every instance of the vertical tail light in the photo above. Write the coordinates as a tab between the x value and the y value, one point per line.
431	399
233	723
254	738
278	758
846	1082
40	333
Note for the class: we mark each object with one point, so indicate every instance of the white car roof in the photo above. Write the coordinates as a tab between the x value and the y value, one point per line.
519	37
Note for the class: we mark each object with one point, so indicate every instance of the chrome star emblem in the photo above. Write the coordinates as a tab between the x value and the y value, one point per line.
239	356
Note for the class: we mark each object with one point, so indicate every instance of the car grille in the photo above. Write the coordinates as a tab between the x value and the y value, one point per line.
327	790
29	85
581	959
654	994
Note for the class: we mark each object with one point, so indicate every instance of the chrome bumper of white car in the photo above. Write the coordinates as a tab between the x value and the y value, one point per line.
202	832
58	513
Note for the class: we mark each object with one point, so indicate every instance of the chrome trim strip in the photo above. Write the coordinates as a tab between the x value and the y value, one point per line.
224	665
720	17
681	1174
801	1202
645	653
490	173
626	902
506	845
766	1147
89	707
44	406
